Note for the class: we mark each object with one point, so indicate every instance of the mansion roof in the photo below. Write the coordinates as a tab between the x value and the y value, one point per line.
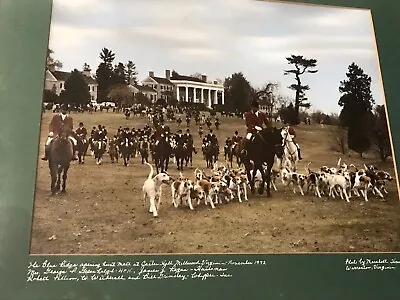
187	78
161	80
144	88
63	76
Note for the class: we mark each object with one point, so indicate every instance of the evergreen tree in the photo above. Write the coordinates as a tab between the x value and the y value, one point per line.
119	76
105	74
131	74
357	103
380	133
238	93
76	90
302	65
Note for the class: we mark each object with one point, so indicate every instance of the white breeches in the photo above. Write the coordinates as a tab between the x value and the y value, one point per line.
297	145
249	135
48	141
74	141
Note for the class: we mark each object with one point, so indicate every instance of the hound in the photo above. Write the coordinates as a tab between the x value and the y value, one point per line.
152	189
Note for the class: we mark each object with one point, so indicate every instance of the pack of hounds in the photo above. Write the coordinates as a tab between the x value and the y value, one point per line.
223	184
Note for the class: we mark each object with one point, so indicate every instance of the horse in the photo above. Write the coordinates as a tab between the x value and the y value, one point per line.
162	153
267	143
290	157
190	150
126	149
210	153
61	155
99	148
181	152
113	151
144	151
234	151
82	148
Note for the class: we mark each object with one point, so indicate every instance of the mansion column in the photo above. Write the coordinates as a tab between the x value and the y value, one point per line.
187	94
216	97
177	93
223	97
202	95
194	95
209	98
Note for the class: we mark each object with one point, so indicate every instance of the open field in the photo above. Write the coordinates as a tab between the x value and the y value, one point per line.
102	212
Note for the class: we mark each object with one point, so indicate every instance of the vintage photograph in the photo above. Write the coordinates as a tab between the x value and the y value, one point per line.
225	127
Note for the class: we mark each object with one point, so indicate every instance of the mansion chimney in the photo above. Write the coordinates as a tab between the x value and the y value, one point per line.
151	73
204	78
168	74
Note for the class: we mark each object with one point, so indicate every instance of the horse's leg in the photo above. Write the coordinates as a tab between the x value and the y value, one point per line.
262	184
53	175
267	174
58	184
65	176
251	179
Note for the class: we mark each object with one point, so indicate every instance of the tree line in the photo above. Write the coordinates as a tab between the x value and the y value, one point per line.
109	78
360	125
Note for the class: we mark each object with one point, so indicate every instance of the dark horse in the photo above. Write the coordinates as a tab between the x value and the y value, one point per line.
191	149
181	152
126	149
82	148
162	153
211	153
266	144
61	154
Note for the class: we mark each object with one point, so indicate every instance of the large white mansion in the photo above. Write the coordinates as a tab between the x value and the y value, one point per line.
184	88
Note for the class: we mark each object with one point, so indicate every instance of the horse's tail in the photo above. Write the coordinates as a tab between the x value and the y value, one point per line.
151	170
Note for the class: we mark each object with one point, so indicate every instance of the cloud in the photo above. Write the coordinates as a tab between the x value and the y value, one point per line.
198	53
62	36
170	33
217	37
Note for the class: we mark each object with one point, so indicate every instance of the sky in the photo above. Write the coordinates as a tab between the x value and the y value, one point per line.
219	38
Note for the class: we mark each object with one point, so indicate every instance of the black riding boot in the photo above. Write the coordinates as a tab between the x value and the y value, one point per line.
46	152
300	158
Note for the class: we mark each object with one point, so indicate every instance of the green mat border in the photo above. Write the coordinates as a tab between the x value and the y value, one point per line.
24	31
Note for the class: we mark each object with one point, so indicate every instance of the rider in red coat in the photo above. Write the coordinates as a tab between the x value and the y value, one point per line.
59	123
254	120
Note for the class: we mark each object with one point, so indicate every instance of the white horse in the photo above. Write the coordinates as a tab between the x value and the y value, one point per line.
290	157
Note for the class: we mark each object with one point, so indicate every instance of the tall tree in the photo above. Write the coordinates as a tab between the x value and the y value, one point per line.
131	73
302	65
119	76
357	103
76	90
105	74
107	56
51	63
380	133
238	93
